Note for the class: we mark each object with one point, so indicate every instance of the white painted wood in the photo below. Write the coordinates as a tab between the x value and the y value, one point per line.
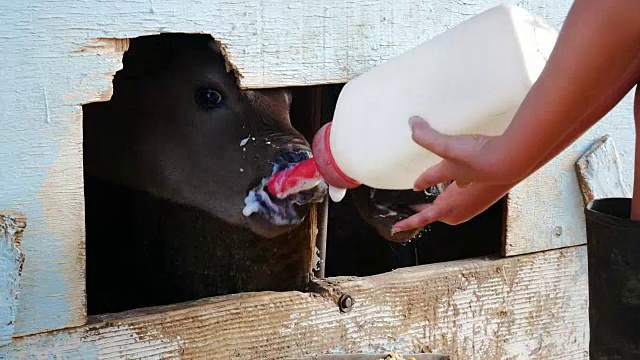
45	79
529	307
59	56
12	225
546	211
599	173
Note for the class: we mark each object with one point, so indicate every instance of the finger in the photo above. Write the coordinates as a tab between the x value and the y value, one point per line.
457	147
425	217
439	173
419	207
462	184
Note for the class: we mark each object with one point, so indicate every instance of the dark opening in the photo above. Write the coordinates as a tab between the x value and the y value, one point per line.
150	242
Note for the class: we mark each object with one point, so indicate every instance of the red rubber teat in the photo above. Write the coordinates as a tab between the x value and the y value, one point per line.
300	177
321	149
308	173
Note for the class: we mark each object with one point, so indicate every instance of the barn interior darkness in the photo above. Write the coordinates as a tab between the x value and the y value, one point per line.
135	242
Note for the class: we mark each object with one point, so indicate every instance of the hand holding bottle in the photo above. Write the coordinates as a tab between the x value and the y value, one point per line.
595	62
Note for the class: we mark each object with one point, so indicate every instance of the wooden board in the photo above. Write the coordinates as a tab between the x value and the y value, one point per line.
599	173
45	81
63	56
528	307
546	211
12	225
375	357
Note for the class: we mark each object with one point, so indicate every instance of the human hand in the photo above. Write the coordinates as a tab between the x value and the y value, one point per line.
454	206
472	162
465	158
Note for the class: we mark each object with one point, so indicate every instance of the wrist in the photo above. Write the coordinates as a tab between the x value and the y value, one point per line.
506	161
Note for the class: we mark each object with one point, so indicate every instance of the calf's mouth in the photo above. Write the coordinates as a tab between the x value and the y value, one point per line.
264	210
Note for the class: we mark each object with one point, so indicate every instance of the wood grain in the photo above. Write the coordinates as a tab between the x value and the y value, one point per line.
375	357
527	307
599	173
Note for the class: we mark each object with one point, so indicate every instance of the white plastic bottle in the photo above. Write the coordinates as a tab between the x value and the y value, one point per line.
469	79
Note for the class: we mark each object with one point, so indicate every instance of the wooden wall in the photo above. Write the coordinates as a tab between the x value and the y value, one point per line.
60	55
528	307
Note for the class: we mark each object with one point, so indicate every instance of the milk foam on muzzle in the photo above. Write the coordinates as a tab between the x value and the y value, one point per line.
470	79
278	210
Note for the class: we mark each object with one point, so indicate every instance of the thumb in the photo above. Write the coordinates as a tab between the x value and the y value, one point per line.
458	148
424	135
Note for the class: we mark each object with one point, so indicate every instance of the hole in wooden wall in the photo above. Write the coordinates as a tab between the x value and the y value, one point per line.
169	160
167	168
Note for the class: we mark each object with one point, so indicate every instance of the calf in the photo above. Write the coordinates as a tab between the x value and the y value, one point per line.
174	169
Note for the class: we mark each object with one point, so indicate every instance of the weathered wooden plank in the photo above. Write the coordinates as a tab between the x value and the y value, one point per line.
528	307
599	172
546	211
69	58
12	225
41	144
376	357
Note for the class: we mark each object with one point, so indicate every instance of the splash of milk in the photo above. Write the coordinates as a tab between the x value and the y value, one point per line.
388	212
281	211
258	201
336	194
251	204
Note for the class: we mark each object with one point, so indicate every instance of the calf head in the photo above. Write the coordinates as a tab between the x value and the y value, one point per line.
381	209
179	127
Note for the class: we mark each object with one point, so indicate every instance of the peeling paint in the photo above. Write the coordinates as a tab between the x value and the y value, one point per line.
12	225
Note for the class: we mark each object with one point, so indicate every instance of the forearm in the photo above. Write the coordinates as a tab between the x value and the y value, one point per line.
605	38
484	195
593	114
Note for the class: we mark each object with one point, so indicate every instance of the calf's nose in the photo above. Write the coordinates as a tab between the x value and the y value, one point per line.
288	158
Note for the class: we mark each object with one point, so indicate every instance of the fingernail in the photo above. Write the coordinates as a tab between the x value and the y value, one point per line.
414	121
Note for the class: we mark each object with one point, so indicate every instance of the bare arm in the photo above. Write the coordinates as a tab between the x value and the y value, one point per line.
596	48
592	63
458	205
557	108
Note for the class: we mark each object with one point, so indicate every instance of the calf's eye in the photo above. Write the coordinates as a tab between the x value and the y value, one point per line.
208	98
